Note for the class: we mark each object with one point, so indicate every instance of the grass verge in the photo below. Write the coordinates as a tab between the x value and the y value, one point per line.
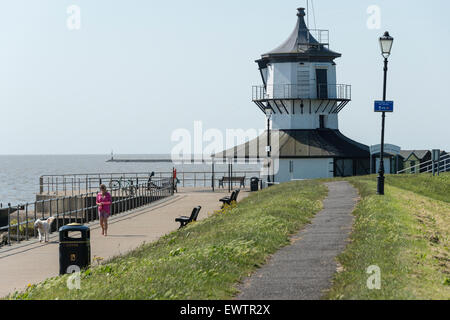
405	234
203	261
437	187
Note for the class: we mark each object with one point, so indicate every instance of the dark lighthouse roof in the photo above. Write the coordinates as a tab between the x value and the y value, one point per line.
318	143
300	46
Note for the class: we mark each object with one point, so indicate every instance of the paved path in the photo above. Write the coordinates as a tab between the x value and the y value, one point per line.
33	262
303	270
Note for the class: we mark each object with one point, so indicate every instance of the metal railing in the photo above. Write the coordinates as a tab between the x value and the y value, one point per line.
300	91
72	184
322	36
65	184
427	167
80	208
205	179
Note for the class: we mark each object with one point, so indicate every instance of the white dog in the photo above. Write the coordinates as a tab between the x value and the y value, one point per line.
43	227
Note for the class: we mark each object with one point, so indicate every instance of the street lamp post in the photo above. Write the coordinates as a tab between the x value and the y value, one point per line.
386	42
268	111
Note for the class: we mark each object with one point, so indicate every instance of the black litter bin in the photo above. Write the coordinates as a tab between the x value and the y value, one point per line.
254	184
74	247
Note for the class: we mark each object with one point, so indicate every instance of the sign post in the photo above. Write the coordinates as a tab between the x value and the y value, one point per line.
383	107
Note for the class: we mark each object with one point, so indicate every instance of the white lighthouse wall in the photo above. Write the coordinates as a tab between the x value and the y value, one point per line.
304	169
286	80
270	76
281	75
303	121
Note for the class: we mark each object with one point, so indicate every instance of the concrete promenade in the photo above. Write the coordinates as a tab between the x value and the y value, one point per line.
304	269
31	262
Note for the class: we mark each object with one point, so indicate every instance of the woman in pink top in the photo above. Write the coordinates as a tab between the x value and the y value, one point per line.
104	202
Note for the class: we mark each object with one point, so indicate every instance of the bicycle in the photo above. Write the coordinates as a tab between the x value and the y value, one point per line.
122	184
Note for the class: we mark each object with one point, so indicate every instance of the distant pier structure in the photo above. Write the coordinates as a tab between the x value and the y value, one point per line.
139	160
302	99
157	159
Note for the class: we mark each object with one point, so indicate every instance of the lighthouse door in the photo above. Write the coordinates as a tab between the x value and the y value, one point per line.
322	83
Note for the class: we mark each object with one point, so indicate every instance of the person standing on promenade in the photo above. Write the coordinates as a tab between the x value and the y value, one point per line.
104	202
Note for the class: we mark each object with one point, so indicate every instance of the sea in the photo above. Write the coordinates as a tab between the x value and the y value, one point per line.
19	174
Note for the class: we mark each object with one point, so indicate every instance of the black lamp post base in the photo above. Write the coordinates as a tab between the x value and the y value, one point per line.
380	186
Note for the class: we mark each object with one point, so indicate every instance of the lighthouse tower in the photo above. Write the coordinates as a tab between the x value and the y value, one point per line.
299	81
299	88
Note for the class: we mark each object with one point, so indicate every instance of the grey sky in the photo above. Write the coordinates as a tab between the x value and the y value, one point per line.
137	70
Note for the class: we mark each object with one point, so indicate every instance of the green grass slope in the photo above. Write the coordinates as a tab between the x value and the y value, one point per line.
437	187
405	234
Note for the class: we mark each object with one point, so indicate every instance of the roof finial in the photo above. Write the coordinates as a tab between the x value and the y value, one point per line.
301	12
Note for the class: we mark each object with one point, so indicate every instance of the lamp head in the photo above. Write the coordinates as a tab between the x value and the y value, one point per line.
386	42
268	111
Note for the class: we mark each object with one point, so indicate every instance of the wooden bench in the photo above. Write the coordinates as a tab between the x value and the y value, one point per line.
231	198
241	181
183	220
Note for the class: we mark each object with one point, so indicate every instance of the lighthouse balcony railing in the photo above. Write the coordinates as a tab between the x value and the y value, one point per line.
321	36
297	91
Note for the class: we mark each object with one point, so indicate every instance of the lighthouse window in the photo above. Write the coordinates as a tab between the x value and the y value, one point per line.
322	121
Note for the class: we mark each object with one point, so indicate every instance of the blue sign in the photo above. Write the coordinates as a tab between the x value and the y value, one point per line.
384	106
